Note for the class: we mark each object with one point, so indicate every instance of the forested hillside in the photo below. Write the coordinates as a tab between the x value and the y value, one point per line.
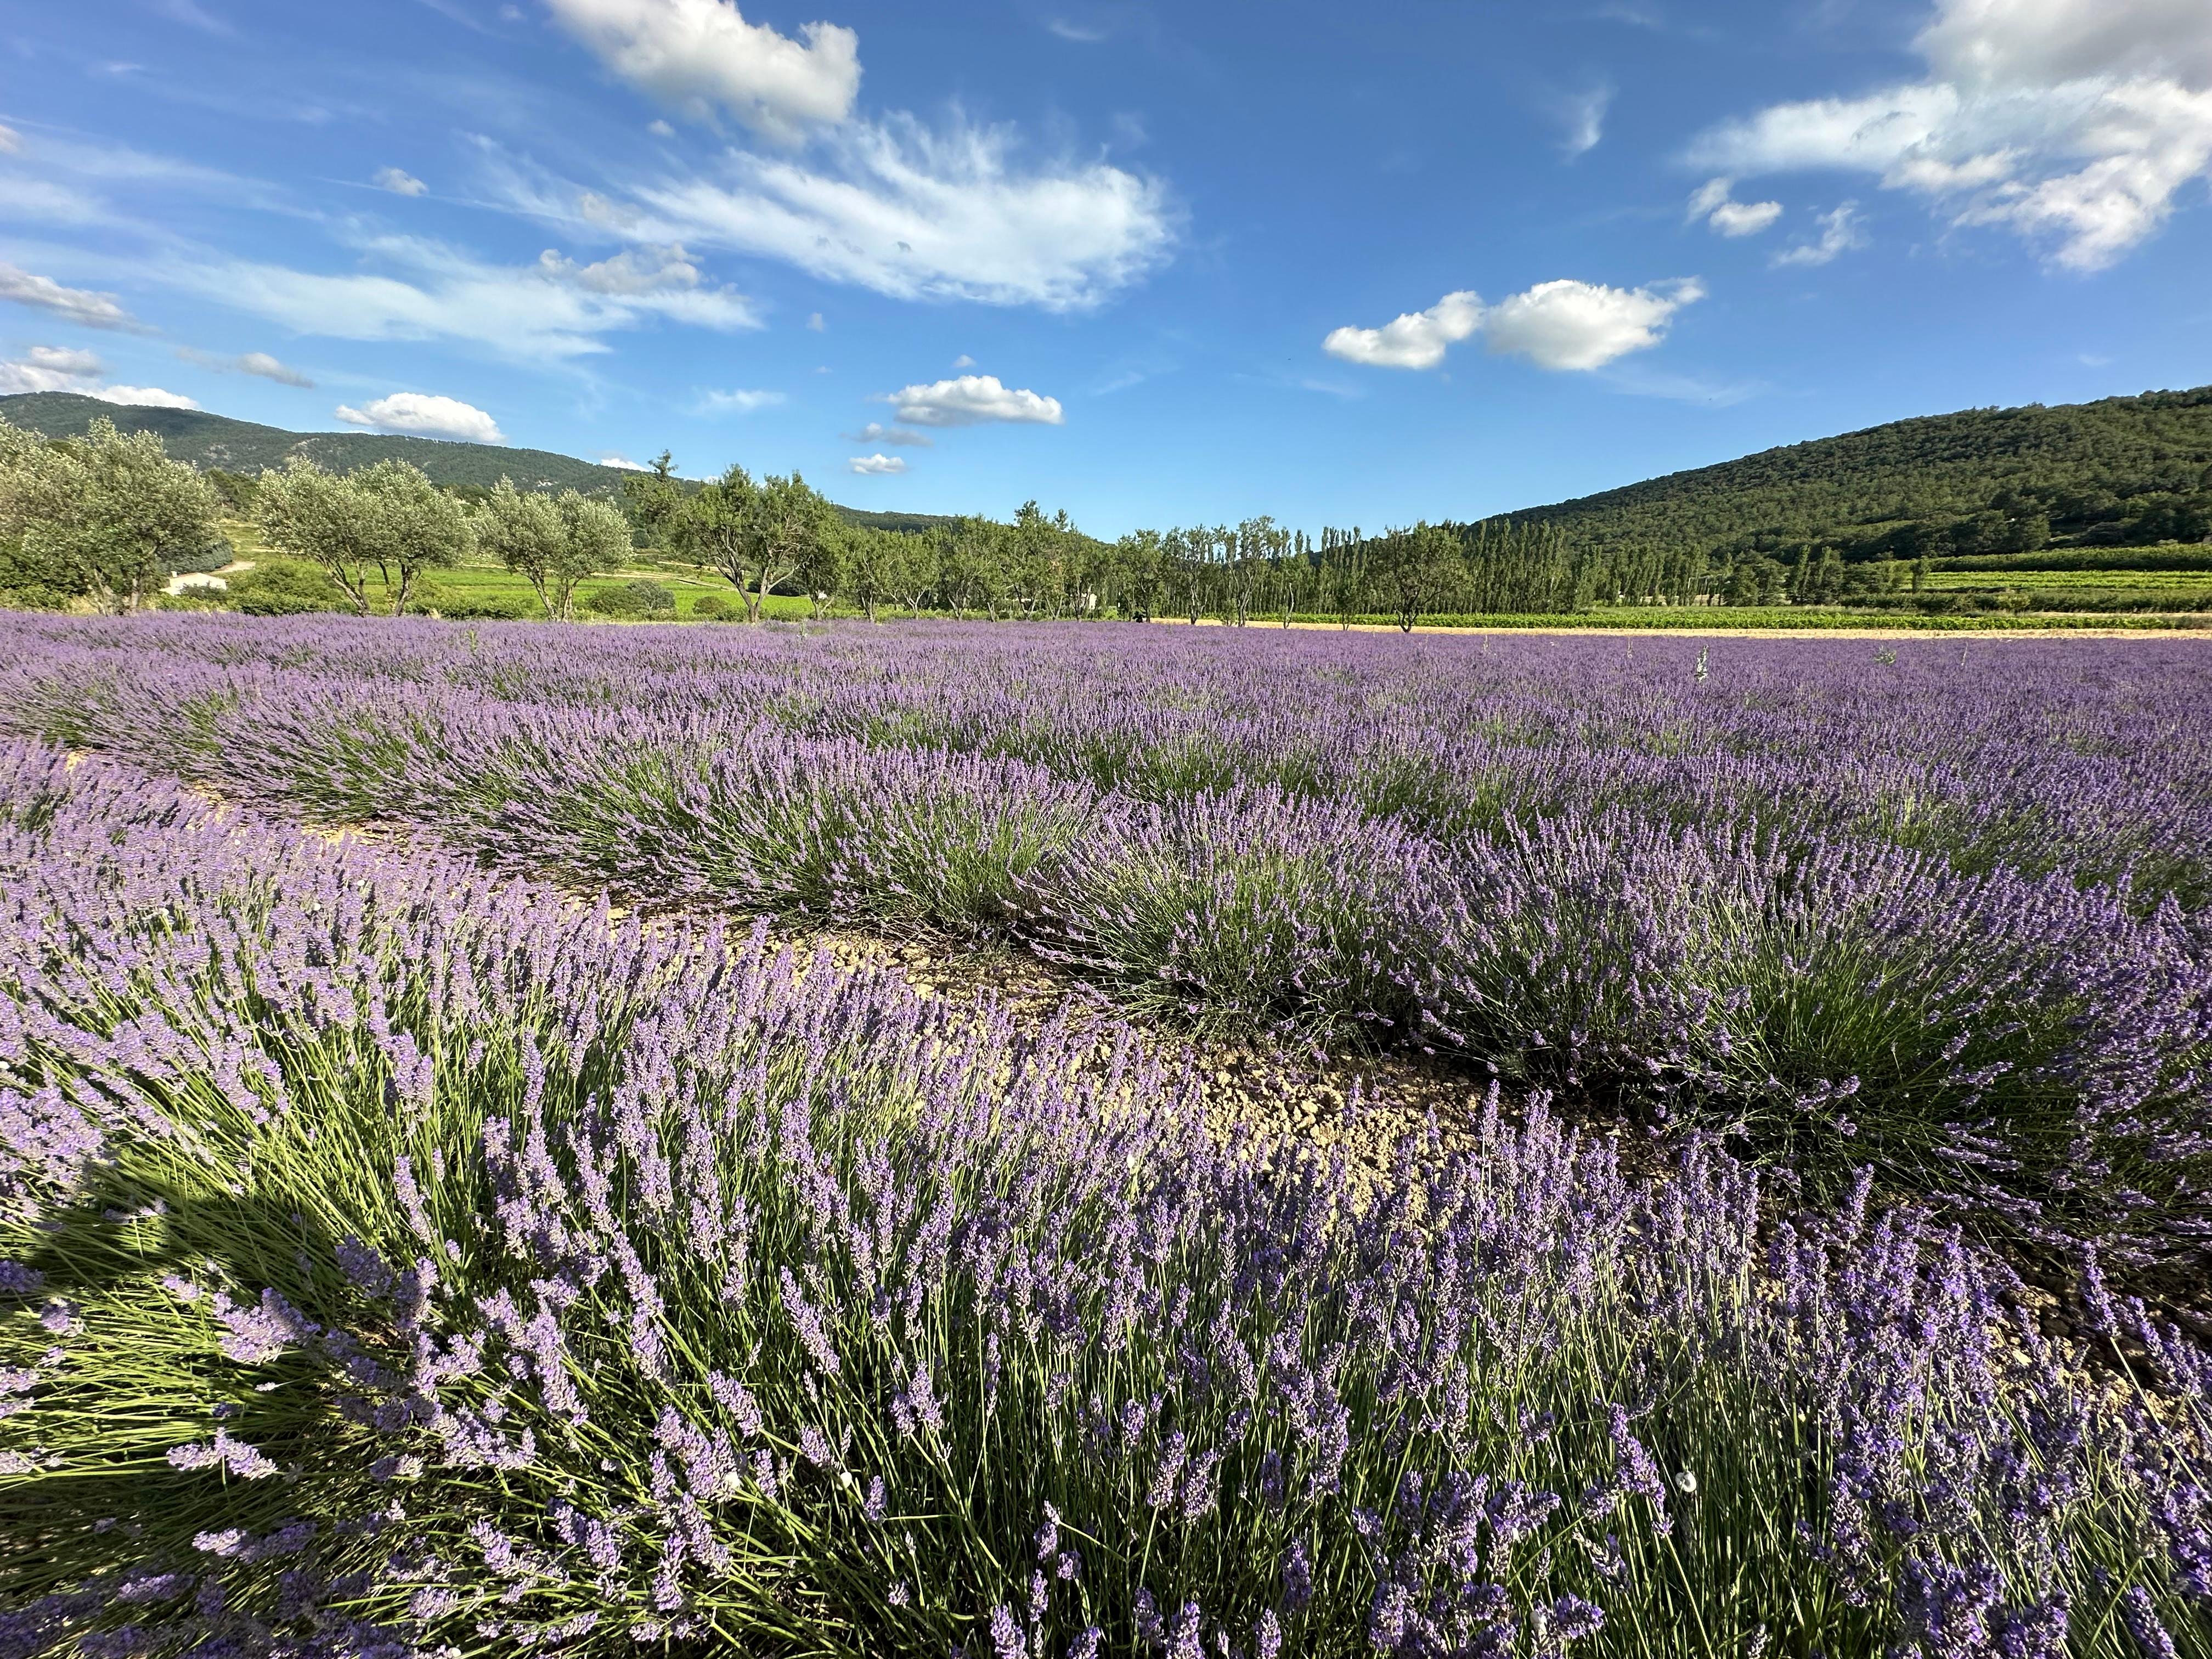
217	441
2120	472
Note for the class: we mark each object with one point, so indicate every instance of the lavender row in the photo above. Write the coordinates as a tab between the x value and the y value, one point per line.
406	1263
2090	758
2027	1046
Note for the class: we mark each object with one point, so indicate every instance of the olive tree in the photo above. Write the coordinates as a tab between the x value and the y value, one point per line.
758	535
319	516
554	541
414	526
110	506
388	518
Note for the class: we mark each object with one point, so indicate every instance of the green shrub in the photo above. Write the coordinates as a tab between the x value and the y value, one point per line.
285	587
32	580
460	604
632	599
713	607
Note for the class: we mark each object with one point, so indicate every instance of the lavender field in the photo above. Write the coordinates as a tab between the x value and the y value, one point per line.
485	1237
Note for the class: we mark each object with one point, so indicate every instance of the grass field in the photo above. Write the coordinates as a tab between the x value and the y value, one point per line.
2058	582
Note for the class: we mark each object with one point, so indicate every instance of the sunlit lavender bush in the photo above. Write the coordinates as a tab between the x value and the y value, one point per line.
1937	911
397	1262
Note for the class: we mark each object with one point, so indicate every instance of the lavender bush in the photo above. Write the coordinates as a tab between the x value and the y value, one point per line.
406	1262
1938	911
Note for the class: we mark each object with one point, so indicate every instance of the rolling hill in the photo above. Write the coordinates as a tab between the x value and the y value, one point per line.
2122	471
217	440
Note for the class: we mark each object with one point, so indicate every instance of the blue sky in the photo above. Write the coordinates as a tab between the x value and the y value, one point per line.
1157	265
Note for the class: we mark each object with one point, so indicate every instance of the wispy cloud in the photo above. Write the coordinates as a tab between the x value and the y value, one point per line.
1581	116
877	432
259	364
736	402
1841	232
2077	124
80	305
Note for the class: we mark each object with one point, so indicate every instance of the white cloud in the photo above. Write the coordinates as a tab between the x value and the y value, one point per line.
1578	326
150	397
1583	115
426	416
621	463
633	270
260	363
2076	123
1744	218
66	360
963	361
700	56
74	304
399	183
877	465
185	11
65	368
1563	324
661	128
920	214
815	323
55	204
18	378
531	313
970	399
11	141
1417	340
877	432
1839	233
1713	203
739	402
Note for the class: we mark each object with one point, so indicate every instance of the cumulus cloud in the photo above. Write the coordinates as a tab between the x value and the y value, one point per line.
65	369
425	415
815	324
1839	233
963	361
1713	203
2075	123
701	56
147	397
1577	326
877	432
29	375
74	305
633	270
66	360
1416	339
970	400
739	401
877	465
1563	324
398	182
621	463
